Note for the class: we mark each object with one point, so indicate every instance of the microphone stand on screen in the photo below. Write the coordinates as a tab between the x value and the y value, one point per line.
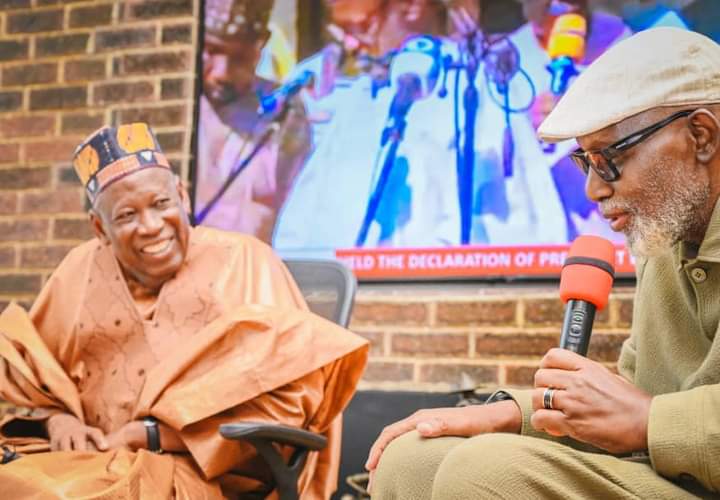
501	63
469	62
471	103
407	92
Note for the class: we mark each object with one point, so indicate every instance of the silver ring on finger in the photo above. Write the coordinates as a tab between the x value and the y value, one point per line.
548	395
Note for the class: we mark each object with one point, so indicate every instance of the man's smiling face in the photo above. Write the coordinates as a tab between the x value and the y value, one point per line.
142	218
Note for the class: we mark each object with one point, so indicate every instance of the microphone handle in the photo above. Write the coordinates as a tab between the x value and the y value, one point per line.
577	326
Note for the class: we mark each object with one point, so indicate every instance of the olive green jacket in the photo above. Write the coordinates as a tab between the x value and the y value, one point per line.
673	353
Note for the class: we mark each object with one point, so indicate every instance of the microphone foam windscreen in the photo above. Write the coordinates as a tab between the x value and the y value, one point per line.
567	37
588	271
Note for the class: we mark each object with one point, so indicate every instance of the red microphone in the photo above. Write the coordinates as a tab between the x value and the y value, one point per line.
585	284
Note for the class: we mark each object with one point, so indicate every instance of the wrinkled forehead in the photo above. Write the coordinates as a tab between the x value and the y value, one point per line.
145	183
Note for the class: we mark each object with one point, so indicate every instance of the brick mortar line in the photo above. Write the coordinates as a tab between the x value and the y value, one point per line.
432	312
415	372
113	26
35	139
150	50
157	77
464	299
170	102
96	108
111	53
455	300
24	140
502	375
520	312
444	361
405	385
513	362
424	331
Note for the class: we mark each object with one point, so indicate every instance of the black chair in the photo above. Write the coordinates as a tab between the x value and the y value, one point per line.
329	290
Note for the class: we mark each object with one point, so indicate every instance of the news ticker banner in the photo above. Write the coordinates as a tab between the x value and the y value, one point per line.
466	262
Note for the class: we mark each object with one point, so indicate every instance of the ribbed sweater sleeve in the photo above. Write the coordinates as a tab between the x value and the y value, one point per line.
684	435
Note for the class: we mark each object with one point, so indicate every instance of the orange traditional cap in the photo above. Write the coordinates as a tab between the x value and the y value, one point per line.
110	154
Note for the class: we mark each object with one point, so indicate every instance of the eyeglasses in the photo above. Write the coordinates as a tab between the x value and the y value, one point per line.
601	160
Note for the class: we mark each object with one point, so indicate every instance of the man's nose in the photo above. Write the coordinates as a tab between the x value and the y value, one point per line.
217	68
150	222
596	188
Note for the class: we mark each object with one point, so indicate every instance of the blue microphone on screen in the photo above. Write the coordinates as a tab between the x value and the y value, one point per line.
276	100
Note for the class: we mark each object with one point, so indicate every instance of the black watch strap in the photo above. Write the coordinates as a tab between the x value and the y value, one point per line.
498	396
153	434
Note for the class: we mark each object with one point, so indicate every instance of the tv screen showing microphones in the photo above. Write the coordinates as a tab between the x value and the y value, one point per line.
400	136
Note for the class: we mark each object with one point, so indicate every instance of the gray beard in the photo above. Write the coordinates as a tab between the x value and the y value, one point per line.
671	212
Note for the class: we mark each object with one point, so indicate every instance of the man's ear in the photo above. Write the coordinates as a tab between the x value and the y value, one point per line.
97	227
183	194
705	130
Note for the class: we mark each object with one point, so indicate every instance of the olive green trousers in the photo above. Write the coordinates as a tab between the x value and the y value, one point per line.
507	466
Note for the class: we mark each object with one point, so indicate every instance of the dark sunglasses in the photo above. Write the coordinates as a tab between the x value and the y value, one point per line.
601	160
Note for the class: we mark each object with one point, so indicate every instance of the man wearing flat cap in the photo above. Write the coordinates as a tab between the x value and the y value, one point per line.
229	128
148	337
646	117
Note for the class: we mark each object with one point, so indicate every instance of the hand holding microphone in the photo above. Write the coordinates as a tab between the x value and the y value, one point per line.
575	396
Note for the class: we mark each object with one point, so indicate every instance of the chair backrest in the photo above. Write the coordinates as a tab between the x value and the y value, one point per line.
328	287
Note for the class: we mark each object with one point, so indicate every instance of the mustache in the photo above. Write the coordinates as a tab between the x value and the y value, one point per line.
616	206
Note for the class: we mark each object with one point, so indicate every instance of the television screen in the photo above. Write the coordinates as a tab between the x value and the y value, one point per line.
400	136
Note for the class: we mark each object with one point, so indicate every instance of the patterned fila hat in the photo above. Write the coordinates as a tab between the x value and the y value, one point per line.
237	18
109	154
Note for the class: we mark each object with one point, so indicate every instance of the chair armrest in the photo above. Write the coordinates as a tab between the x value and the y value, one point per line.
277	433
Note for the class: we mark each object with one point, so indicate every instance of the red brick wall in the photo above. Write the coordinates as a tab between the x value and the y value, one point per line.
67	67
427	338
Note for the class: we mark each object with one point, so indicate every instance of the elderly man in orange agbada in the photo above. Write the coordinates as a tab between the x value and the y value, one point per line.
154	325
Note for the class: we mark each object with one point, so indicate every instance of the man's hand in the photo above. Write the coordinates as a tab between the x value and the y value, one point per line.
590	404
465	421
68	433
294	143
464	19
295	134
131	435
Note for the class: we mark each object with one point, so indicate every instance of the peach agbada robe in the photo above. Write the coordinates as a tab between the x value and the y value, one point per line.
228	339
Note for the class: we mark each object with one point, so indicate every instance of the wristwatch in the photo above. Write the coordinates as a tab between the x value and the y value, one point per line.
153	434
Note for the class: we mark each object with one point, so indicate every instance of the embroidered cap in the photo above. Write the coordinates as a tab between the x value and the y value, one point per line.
654	68
109	154
237	18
